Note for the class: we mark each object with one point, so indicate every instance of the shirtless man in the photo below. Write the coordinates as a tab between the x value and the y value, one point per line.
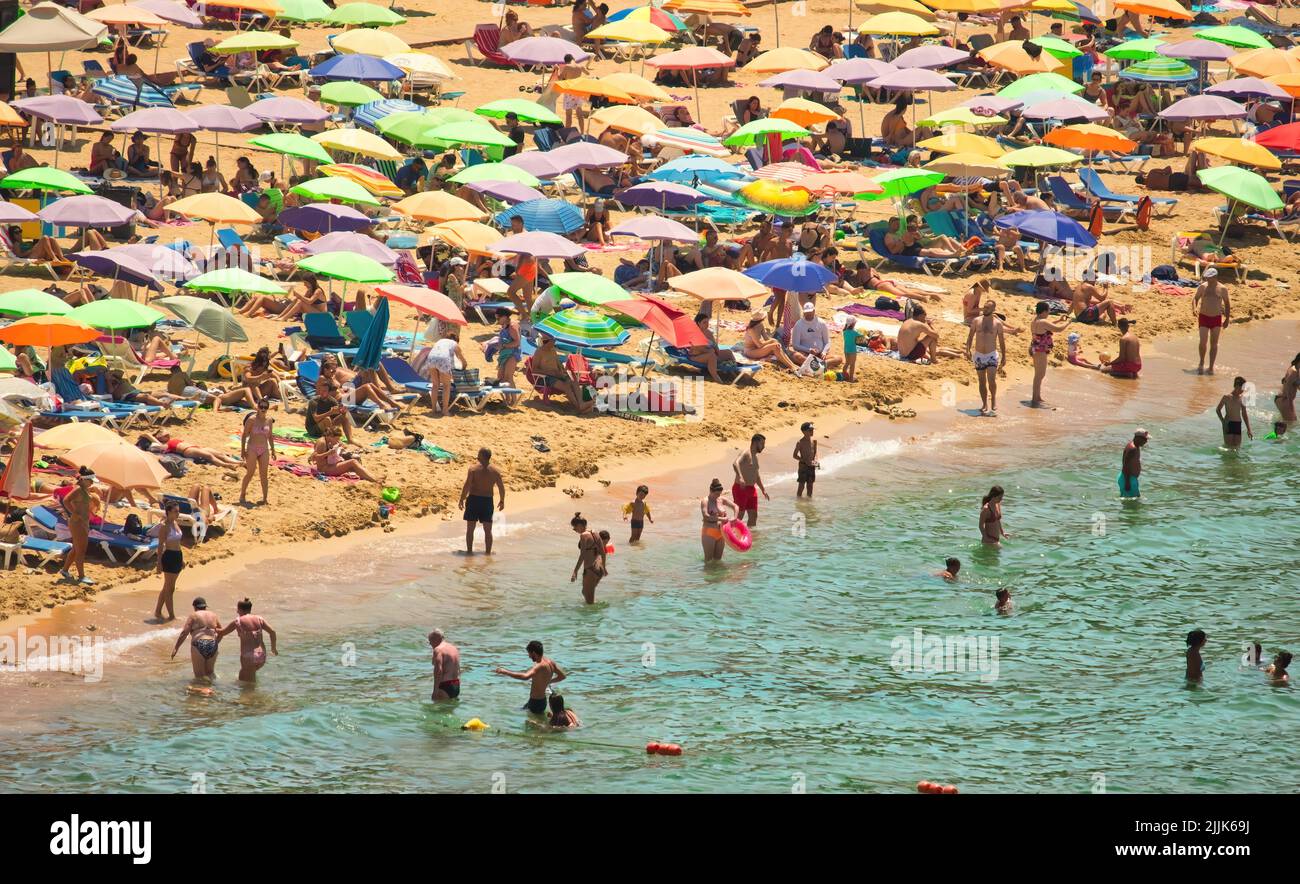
1232	413
476	499
1128	363
805	453
77	504
1088	304
1131	466
747	480
201	628
1213	311
990	350
781	247
543	673
917	339
446	667
1285	400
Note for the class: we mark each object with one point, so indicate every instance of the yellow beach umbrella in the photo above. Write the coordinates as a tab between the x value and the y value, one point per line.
626	118
708	7
591	87
1040	157
357	141
1288	83
898	24
629	30
438	206
1264	63
803	112
786	58
9	116
876	7
216	208
968	165
1090	136
1054	6
636	86
268	8
972	6
122	465
1011	56
468	235
1238	152
421	63
369	41
953	141
961	116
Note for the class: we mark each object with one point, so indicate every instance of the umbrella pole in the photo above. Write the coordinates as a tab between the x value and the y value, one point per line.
645	364
776	20
1226	221
695	78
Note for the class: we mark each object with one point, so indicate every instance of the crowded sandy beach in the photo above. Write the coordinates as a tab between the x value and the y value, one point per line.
281	271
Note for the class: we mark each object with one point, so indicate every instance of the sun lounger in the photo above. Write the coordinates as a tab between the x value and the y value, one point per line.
487	40
359	321
931	266
469	391
1181	252
681	357
324	334
401	372
1092	181
1069	201
44	551
121	355
108	538
192	516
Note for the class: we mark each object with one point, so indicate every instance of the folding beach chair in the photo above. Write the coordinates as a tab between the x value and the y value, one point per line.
487	40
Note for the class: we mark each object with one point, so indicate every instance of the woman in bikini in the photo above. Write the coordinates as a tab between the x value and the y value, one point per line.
312	300
201	629
163	443
367	384
257	448
245	176
823	43
713	515
192	180
330	460
252	646
171	560
1040	346
508	345
259	378
991	530
1285	400
591	558
760	347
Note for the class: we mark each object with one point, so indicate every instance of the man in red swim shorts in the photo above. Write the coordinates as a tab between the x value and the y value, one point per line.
745	488
1213	311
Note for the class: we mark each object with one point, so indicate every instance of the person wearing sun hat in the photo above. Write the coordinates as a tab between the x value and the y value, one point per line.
760	346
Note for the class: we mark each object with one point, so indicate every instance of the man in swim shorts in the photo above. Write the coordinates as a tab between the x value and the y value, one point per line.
1128	363
446	667
987	334
476	499
1131	466
1232	414
747	484
543	673
1213	310
805	452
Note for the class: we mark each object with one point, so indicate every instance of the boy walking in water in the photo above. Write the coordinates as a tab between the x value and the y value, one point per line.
1213	311
543	673
1131	467
745	488
476	499
637	512
805	452
1232	414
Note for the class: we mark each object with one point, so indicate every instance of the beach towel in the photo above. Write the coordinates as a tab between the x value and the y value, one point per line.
434	453
297	469
864	310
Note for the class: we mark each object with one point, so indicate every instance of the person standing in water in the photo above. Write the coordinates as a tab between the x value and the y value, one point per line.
252	646
1285	400
748	482
1213	311
77	503
805	452
171	560
1195	665
637	512
1040	347
446	667
991	531
1131	466
591	558
713	513
1003	603
987	334
476	499
541	675
202	629
1232	413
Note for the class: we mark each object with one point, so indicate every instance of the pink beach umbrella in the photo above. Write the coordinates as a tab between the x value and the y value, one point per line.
913	80
693	59
930	57
218	118
858	70
358	243
1065	108
544	51
86	211
177	13
808	81
538	244
507	191
287	110
585	155
1203	107
656	228
62	110
535	163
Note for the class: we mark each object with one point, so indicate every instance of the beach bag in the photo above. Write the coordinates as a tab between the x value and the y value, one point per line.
1158	179
812	367
884	302
1096	218
176	467
1144	213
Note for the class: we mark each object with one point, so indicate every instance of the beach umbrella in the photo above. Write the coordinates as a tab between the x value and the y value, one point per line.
44	178
952	141
346	267
368	14
858	70
355	243
718	284
1197	50
583	328
1065	107
370	348
216	208
808	81
548	215
158	120
803	112
896	184
930	57
15	214
127	14
585	155
438	206
793	274
122	465
1040	157
302	10
626	31
369	41
1203	107
207	318
510	192
635	86
76	434
408	126
268	8
63	110
1283	138
170	10
675	326
968	165
660	18
538	244
693	59
468	235
16	478
1056	47
829	183
590	87
625	118
1238	151
686	139
1265	62
324	218
1090	137
1011	56
32	302
253	41
50	27
1042	82
118	266
160	261
421	63
762	129
347	93
425	300
962	116
370	115
86	211
1244	87
1288	83
477	132
494	172
341	189
116	314
47	331
357	141
284	109
652	228
1136	50
875	7
357	66
786	58
232	281
1159	69
24	393
1238	185
898	24
590	289
7	363
662	195
1235	36
371	179
696	168
913	80
220	118
10	117
708	7
1048	227
1157	8
526	111
543	51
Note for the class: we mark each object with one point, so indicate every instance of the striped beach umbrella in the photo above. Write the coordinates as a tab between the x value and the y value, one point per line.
584	328
122	90
660	18
1159	69
367	177
548	216
369	115
686	139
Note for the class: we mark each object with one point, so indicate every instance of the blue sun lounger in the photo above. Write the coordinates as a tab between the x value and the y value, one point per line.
324	334
1098	188
931	266
401	372
680	356
108	537
44	551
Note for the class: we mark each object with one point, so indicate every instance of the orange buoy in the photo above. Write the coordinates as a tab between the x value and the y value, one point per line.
949	790
670	749
651	748
924	787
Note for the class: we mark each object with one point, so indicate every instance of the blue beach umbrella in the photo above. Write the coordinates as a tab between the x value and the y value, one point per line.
369	114
686	169
548	216
1052	228
371	345
356	67
794	274
123	90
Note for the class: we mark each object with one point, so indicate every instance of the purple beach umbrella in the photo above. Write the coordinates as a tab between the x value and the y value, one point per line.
12	214
535	163
538	244
1248	87
660	195
176	13
930	57
159	260
507	191
1065	108
1203	107
64	109
991	105
86	211
545	51
585	155
913	80
1197	50
324	218
118	267
858	70
287	110
162	120
655	227
812	81
224	118
341	241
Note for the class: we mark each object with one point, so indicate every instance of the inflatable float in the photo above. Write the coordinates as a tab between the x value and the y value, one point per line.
737	535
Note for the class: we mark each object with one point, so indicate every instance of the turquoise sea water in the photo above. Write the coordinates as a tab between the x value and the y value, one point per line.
775	671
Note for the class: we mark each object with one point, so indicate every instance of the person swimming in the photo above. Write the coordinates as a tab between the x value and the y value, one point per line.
1277	669
1195	665
951	567
1004	603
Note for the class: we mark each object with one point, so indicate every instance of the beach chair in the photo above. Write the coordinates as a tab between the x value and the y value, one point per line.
362	415
487	40
401	372
238	251
544	139
539	384
42	550
119	354
93	69
1180	252
1071	203
1092	181
324	334
681	357
359	322
929	266
108	538
469	391
191	515
11	259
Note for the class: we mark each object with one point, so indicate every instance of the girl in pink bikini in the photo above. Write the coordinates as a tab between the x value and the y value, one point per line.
252	646
257	448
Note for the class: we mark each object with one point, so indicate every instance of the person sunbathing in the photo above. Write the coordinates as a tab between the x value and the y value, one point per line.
164	443
259	378
1088	304
43	248
367	384
123	390
911	244
330	459
600	183
761	347
312	300
918	340
181	384
864	276
710	355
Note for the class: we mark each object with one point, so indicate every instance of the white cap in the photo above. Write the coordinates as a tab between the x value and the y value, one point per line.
809	307
1210	272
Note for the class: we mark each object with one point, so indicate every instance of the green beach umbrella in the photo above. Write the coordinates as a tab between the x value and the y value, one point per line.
494	172
303	10
232	280
758	130
527	111
1041	82
207	318
408	126
7	361
366	14
323	190
1241	186
1040	157
1135	50
115	314
254	41
291	144
1159	70
1234	35
346	266
478	132
898	183
44	178
348	93
583	327
32	302
1056	47
589	288
961	116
